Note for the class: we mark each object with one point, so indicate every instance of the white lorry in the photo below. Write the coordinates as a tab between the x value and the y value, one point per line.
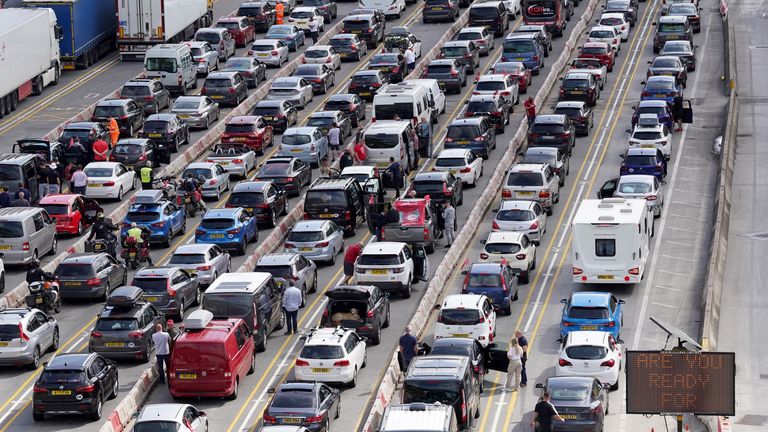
29	54
611	240
143	23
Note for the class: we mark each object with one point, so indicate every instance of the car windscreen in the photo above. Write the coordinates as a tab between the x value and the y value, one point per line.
9	173
540	159
116	324
404	110
525	179
379	260
151	284
217	223
502	248
156	426
281	271
588	313
99	172
318	199
431	391
450	162
491	85
474	107
296	139
187	258
135	90
226	306
586	352
293	400
74	270
382	141
356	24
274	170
518	47
52	377
108	111
10	229
210	37
56	209
463	132
426	187
143	216
305	236
160	64
547	128
515	215
320	352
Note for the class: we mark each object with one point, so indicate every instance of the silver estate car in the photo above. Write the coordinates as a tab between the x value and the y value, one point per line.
205	57
25	335
318	240
216	178
290	266
307	144
197	111
295	90
207	261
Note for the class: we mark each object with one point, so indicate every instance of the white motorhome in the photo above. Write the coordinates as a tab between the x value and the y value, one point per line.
406	100
611	239
172	64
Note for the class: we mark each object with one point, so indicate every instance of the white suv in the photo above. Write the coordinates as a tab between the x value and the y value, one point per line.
331	355
513	247
504	85
391	266
535	182
590	353
468	316
650	133
25	335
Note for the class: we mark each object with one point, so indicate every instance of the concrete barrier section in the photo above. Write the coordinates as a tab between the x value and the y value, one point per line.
123	413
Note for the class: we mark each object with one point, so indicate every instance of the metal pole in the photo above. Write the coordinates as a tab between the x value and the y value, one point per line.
679	423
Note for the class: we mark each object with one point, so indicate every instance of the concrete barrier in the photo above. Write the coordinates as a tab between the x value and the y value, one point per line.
275	237
119	418
452	259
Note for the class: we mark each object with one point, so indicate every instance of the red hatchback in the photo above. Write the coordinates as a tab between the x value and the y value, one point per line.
253	131
240	28
601	51
73	212
211	358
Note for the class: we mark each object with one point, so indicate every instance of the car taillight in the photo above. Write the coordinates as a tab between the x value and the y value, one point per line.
274	52
465	170
610	324
534	135
567	324
289	179
96	334
615	41
520	256
535	58
86	389
468	113
506	193
369	314
314	419
199	232
347	215
564	362
634	271
447	191
23	336
534	225
268	418
478	139
300	362
136	335
157	224
608	363
109	183
657	168
463	407
93	281
204	268
495	226
454	73
544	194
171	291
25	246
37	389
341	363
234	231
650	198
398	270
353	47
481	320
395	69
624	27
322	244
577	271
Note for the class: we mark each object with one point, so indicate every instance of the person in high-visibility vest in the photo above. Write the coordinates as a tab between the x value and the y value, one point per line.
114	131
279	9
146	175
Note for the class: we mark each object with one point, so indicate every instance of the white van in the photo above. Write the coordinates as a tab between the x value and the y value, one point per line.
391	8
437	97
419	417
390	138
611	239
172	64
407	101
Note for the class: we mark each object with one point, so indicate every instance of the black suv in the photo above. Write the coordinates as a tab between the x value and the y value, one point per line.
579	113
278	113
336	199
87	133
74	383
579	86
368	27
351	104
349	46
494	107
149	93
552	130
167	130
128	114
262	198
365	83
392	65
261	14
440	186
125	326
492	15
370	303
464	347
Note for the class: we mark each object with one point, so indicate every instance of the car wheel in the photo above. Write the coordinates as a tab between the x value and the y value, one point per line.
314	285
407	291
198	297
35	359
241	249
233	395
281	323
168	238
376	339
120	194
386	320
252	369
183	229
273	219
181	310
96	413
218	194
115	390
332	261
353	383
262	345
54	246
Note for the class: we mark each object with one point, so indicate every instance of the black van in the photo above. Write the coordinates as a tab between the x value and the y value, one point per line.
492	15
446	379
19	168
337	199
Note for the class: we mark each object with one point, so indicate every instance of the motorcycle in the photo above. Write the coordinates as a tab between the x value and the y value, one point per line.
132	254
102	245
187	200
44	295
167	185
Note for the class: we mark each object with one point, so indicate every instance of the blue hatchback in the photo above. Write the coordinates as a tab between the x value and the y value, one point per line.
497	281
289	34
649	161
526	48
661	88
592	310
163	219
229	228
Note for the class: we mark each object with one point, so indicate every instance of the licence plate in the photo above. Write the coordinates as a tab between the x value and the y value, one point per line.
61	392
463	141
326	216
115	344
647	146
605	277
588	327
187	376
452	171
238	138
569	416
184	116
268	118
4	344
151	299
519	58
577	92
306	249
379	272
5	247
94	185
216	235
356	31
192	271
660	95
437	8
217	97
39	300
262	55
525	193
296	150
365	93
461	335
132	255
155	135
292	420
72	283
223	163
321	370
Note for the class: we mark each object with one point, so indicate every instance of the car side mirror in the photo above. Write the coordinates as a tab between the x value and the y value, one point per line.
620	341
482	241
642	82
271	390
559	340
621	302
564	301
649	62
607	386
628	130
621	156
463	272
51	319
495	211
539	386
202	414
653	23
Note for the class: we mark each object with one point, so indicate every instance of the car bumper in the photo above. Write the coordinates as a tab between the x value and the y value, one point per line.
209	192
79	407
610	376
441	14
19	356
385	285
194	388
101	192
195	122
343	376
617	279
222	99
271	60
450	83
91	294
480	150
316	254
129	352
578	426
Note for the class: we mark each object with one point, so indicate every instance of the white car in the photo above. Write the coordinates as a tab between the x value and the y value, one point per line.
607	34
269	51
526	217
641	186
391	8
481	36
513	247
216	178
322	54
467	316
649	133
618	21
504	85
513	7
171	416
302	15
590	353
391	266
331	355
109	180
206	58
462	163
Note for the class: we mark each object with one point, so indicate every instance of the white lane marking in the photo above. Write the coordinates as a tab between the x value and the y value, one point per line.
500	406
16	403
73	346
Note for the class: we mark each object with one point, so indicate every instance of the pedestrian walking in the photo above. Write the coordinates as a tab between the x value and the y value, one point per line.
79	181
523	342
346	160
515	355
292	299
424	132
42	180
314	28
54	178
334	141
449	216
530	109
162	341
360	155
5	197
544	413
114	132
21	201
20	189
410	60
678	112
407	344
350	258
395	174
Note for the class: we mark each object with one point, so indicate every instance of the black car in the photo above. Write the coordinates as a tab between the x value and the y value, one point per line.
74	384
365	83
465	347
669	65
449	73
252	70
579	86
87	133
366	26
349	103
624	7
49	150
440	186
552	130
128	114
167	130
493	107
149	93
125	326
327	8
310	404
261	14
279	113
319	75
371	303
336	199
581	401
391	64
324	120
226	88
137	153
580	114
261	198
287	173
89	276
349	46
476	134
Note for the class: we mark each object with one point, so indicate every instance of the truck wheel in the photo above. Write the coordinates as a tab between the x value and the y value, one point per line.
56	76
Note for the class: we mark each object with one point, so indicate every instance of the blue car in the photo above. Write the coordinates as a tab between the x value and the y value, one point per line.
525	48
661	88
497	281
289	34
229	228
658	107
649	161
163	219
592	310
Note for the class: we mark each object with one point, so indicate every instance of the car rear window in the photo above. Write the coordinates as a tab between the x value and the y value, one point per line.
293	400
385	111
569	392
246	199
155	126
302	14
463	132
570	112
484	280
525	179
187	259
634	187
274	169
116	324
593	50
58	377
74	270
459	316
316	53
249	11
588	313
321	352
547	128
640	160
601	34
128	149
305	236
451	162
218	83
262	47
266	111
10	229
196	354
423	187
357	24
336	105
586	352
9	331
134	90
647	135
108	111
518	46
151	285
665	63
240	128
316	199
143	216
464	35
56	209
156	426
453	52
99	172
384	59
197	172
228	25
611	21
483	12
658	85
217	223
380	260
365	79
515	215
491	85
431	391
439	69
449	349
210	37
282	271
226	306
502	248
570	84
473	107
296	139
671	28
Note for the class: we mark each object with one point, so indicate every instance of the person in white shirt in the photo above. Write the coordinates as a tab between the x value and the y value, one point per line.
410	60
334	141
79	181
292	299
515	356
314	28
162	342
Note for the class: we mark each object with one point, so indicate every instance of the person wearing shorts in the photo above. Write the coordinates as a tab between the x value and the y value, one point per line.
334	141
350	257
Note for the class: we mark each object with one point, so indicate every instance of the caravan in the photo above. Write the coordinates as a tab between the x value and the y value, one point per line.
611	240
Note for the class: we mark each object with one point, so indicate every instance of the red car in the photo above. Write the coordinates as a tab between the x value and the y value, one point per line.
240	28
601	51
253	131
73	212
518	70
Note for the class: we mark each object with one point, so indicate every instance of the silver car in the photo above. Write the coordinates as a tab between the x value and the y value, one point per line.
559	161
318	240
25	335
269	51
207	261
481	36
325	119
26	234
527	217
290	266
642	186
175	417
220	39
295	90
307	144
216	178
197	111
235	158
206	58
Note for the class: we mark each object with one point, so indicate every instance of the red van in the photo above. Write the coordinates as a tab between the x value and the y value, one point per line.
549	13
211	357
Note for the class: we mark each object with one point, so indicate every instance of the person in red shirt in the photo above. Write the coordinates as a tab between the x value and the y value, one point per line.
100	149
530	109
350	256
360	155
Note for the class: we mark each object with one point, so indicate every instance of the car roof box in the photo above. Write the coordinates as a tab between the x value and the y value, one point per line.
125	297
148	196
198	320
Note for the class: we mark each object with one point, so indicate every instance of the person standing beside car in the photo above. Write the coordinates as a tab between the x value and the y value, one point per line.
79	181
523	342
543	414
350	258
162	341
292	299
100	150
5	197
410	60
314	28
407	344
449	216
54	178
515	355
